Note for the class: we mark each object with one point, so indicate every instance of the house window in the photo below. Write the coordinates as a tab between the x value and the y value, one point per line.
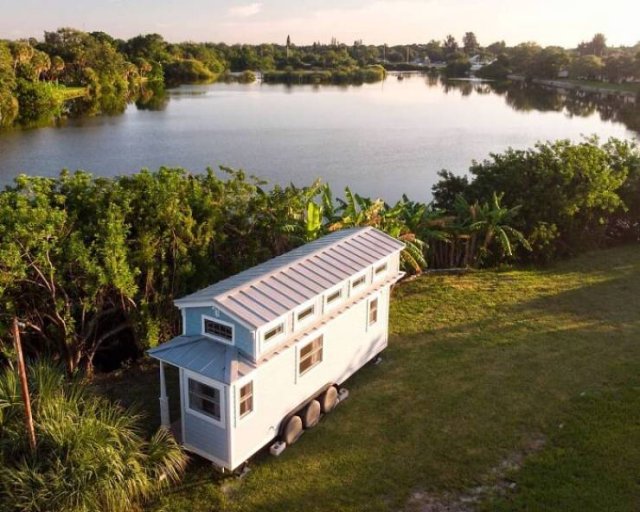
334	296
246	399
358	282
217	329
373	311
310	355
204	399
306	313
272	333
380	269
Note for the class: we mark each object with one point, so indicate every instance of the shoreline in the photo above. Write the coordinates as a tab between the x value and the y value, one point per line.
572	85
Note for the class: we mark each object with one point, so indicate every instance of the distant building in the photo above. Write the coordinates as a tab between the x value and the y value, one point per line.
478	62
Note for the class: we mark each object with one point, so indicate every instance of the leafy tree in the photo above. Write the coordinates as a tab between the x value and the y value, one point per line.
588	67
64	262
523	56
90	453
450	46
470	44
434	50
497	48
499	69
37	102
599	45
458	65
8	100
549	62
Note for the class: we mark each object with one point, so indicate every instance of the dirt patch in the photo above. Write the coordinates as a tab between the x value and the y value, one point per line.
466	501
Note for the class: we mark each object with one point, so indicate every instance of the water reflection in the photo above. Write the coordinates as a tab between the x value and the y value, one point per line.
523	97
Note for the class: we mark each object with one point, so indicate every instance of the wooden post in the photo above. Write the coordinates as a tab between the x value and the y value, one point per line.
22	372
164	400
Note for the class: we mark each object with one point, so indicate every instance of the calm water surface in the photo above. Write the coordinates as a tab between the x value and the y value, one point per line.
381	139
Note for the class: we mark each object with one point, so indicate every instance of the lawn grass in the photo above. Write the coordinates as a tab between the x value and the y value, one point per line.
69	93
514	390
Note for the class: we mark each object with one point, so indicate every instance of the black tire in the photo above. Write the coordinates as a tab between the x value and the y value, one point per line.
311	414
292	430
328	399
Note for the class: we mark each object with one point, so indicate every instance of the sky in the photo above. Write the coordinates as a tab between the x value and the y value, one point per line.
548	22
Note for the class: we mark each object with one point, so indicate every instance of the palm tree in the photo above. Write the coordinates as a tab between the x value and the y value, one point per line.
492	222
90	453
356	210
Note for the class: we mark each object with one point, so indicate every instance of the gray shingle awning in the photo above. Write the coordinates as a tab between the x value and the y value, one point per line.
265	292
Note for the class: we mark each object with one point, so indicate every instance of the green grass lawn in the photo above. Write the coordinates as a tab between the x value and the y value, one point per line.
69	93
514	390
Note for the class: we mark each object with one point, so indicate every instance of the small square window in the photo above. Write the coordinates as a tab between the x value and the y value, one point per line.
246	399
373	311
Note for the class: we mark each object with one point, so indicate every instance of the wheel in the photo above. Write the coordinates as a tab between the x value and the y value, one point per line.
311	414
328	399
292	430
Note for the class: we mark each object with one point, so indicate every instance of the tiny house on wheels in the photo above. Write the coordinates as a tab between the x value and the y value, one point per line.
264	353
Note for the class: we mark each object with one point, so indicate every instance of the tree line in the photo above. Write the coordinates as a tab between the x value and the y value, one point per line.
592	60
70	72
91	266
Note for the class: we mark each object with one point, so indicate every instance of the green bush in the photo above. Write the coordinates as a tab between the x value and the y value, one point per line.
90	454
38	102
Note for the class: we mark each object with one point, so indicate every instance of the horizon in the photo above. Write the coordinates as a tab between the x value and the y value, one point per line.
309	21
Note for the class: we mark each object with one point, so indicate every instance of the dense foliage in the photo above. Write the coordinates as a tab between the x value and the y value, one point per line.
90	454
92	265
572	196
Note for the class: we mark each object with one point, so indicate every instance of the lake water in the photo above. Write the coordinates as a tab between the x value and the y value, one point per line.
381	139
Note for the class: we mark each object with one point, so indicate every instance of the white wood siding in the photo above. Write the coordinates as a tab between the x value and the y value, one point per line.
348	343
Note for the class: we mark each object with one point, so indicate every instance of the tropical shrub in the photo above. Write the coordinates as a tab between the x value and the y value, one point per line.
568	192
90	454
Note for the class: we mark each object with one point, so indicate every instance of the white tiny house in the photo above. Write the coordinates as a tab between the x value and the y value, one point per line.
263	353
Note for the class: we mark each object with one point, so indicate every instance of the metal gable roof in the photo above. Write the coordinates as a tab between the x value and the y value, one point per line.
267	291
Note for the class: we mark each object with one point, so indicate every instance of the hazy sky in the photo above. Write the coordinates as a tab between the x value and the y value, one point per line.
563	22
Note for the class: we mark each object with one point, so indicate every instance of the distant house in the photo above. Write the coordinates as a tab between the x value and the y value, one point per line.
563	73
478	62
264	353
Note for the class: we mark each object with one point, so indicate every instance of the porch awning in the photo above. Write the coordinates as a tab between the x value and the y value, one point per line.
201	355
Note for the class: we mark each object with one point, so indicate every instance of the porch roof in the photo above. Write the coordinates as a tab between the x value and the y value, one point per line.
201	355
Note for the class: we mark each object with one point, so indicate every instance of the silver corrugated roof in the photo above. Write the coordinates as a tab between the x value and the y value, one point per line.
265	292
204	356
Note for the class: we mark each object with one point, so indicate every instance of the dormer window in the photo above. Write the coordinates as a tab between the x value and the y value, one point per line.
274	332
357	283
306	313
218	330
334	296
379	270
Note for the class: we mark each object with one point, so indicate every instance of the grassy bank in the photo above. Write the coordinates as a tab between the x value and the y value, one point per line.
70	93
499	390
604	86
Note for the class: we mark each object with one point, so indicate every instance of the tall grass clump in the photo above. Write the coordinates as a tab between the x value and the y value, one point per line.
90	453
